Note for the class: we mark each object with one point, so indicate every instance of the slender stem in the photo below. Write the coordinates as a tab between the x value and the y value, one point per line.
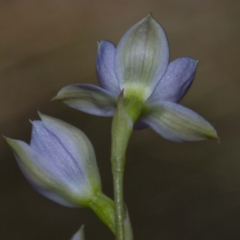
103	206
121	130
118	172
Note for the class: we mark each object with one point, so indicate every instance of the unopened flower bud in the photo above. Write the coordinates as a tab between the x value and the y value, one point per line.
59	163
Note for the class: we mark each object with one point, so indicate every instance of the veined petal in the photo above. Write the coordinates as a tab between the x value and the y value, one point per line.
142	56
105	67
177	123
55	157
39	174
88	98
79	235
82	160
176	81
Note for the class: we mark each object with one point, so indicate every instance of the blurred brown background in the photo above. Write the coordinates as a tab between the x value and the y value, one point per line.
173	191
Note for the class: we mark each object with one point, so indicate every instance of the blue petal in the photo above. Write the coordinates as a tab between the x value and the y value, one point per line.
142	56
81	161
37	172
88	98
49	193
105	67
177	123
176	81
60	162
57	159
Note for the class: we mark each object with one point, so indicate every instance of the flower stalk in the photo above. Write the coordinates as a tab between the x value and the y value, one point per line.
103	207
121	130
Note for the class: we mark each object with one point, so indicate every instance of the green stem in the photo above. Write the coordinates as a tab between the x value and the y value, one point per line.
118	171
121	131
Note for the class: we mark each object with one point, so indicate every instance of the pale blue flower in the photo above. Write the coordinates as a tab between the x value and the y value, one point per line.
152	86
59	163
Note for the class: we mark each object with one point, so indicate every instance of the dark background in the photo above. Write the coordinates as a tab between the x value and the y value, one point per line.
173	191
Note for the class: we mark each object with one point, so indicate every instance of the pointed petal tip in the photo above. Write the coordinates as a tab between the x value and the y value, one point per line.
8	139
58	97
195	61
46	120
4	137
54	98
211	133
79	235
11	142
41	115
102	42
82	228
149	17
99	44
154	21
190	60
214	136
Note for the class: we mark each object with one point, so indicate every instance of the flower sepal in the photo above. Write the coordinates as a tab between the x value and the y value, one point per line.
178	123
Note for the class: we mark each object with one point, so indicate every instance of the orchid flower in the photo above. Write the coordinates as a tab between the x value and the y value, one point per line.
152	86
59	163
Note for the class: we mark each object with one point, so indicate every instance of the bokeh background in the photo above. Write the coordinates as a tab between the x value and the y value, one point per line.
173	191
